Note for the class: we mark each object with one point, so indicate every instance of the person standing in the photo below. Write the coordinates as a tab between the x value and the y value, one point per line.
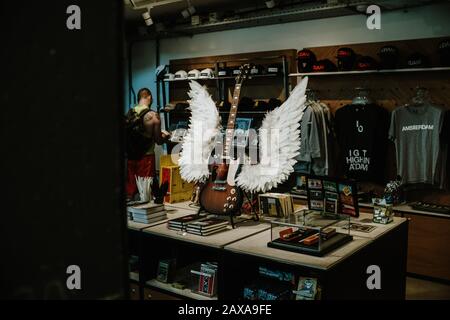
143	130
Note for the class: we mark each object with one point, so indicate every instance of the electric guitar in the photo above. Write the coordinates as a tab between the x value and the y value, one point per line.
220	195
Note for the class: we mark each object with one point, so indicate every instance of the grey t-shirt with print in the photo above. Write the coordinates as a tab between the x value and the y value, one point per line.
415	131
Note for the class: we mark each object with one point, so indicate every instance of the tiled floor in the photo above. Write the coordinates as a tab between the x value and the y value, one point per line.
417	289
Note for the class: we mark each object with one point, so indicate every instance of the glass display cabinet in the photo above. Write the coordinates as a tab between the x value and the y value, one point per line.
309	232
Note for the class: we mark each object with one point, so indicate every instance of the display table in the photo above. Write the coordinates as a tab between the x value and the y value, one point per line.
257	246
342	273
241	251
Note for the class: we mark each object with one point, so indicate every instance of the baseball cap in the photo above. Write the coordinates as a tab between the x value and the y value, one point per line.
169	76
256	69
346	59
305	59
160	71
246	103
180	74
235	71
223	72
181	106
274	68
206	74
274	103
389	57
323	66
417	60
366	63
262	105
194	74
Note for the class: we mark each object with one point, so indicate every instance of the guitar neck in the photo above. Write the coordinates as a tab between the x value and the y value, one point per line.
232	120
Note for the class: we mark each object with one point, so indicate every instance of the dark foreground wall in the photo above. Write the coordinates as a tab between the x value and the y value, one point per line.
61	150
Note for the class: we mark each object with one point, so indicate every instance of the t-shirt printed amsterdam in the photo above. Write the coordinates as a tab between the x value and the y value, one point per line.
415	131
362	135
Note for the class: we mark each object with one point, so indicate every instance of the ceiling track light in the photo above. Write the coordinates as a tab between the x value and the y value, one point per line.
147	17
270	4
189	11
362	8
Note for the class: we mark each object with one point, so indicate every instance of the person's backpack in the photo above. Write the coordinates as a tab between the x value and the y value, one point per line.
136	142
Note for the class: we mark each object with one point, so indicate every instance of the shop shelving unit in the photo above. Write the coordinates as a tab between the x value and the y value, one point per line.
177	89
382	71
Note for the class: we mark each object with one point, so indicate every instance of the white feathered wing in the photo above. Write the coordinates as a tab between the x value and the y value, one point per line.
199	140
279	139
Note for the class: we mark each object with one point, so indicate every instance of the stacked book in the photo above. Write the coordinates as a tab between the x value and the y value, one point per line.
206	226
276	204
181	223
147	213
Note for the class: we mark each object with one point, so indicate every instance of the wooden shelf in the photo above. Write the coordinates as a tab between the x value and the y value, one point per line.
220	112
226	78
181	292
369	72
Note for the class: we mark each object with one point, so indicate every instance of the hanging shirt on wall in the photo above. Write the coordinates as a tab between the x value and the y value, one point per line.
319	164
362	132
309	142
416	132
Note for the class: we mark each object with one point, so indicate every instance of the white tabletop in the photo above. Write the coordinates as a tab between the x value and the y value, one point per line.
379	230
133	225
257	246
218	240
186	205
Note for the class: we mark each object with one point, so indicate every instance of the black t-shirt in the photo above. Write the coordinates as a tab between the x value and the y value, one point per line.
362	135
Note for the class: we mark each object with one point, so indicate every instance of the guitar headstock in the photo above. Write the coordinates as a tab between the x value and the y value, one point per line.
244	72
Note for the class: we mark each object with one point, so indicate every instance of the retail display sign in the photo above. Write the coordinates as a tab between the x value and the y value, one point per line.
332	196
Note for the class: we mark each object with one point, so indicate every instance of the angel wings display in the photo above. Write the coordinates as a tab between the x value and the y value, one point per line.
279	144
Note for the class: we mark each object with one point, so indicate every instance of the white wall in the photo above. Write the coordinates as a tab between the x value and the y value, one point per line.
424	22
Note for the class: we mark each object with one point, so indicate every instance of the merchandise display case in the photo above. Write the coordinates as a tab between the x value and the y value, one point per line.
309	232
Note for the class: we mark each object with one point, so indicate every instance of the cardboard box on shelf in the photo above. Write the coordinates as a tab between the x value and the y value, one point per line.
179	190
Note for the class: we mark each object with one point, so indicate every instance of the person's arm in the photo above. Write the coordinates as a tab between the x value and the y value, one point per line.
152	125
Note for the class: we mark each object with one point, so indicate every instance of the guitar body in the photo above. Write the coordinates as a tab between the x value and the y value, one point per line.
217	196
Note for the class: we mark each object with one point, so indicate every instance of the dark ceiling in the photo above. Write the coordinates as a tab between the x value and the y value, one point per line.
233	14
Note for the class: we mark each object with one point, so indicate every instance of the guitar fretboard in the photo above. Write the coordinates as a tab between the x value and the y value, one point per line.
231	121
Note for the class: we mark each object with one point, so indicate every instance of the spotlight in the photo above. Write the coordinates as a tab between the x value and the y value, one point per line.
270	4
147	18
189	11
361	8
